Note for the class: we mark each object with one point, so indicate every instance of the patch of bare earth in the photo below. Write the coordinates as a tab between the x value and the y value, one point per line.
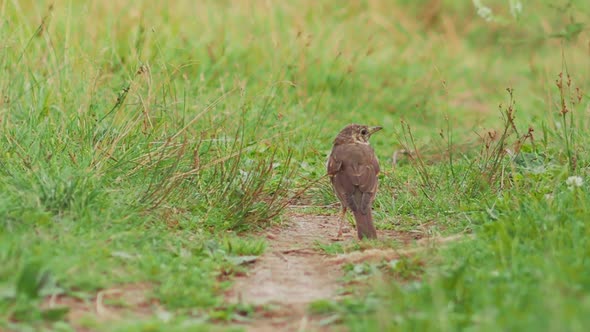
124	301
293	273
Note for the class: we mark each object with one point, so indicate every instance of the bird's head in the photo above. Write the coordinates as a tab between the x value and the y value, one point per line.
355	133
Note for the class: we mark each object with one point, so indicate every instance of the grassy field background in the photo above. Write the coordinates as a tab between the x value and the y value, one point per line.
142	142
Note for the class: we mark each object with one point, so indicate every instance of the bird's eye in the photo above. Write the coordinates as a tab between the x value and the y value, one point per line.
364	132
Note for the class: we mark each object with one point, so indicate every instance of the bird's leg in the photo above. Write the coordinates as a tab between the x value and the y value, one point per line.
341	221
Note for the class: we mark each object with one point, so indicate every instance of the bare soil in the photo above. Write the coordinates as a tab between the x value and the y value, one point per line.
293	273
108	304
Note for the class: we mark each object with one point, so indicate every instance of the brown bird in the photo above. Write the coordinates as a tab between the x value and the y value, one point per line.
353	168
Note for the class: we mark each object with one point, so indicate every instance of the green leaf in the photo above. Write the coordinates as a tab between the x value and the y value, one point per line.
31	280
55	314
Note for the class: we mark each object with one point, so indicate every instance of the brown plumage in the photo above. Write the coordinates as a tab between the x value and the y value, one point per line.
353	168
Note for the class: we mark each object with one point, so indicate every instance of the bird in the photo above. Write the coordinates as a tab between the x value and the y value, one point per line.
353	168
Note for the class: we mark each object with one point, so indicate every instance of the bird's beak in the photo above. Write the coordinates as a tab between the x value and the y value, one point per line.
373	130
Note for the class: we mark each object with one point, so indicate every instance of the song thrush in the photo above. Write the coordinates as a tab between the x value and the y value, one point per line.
353	168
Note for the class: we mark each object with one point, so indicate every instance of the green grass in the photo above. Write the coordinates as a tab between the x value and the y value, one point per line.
141	141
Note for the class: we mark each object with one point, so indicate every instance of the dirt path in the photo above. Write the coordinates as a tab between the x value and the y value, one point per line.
291	274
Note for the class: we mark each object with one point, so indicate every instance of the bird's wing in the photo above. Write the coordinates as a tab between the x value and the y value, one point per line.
364	179
333	165
356	180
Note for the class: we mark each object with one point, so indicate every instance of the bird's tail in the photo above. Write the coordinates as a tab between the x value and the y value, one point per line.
364	224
